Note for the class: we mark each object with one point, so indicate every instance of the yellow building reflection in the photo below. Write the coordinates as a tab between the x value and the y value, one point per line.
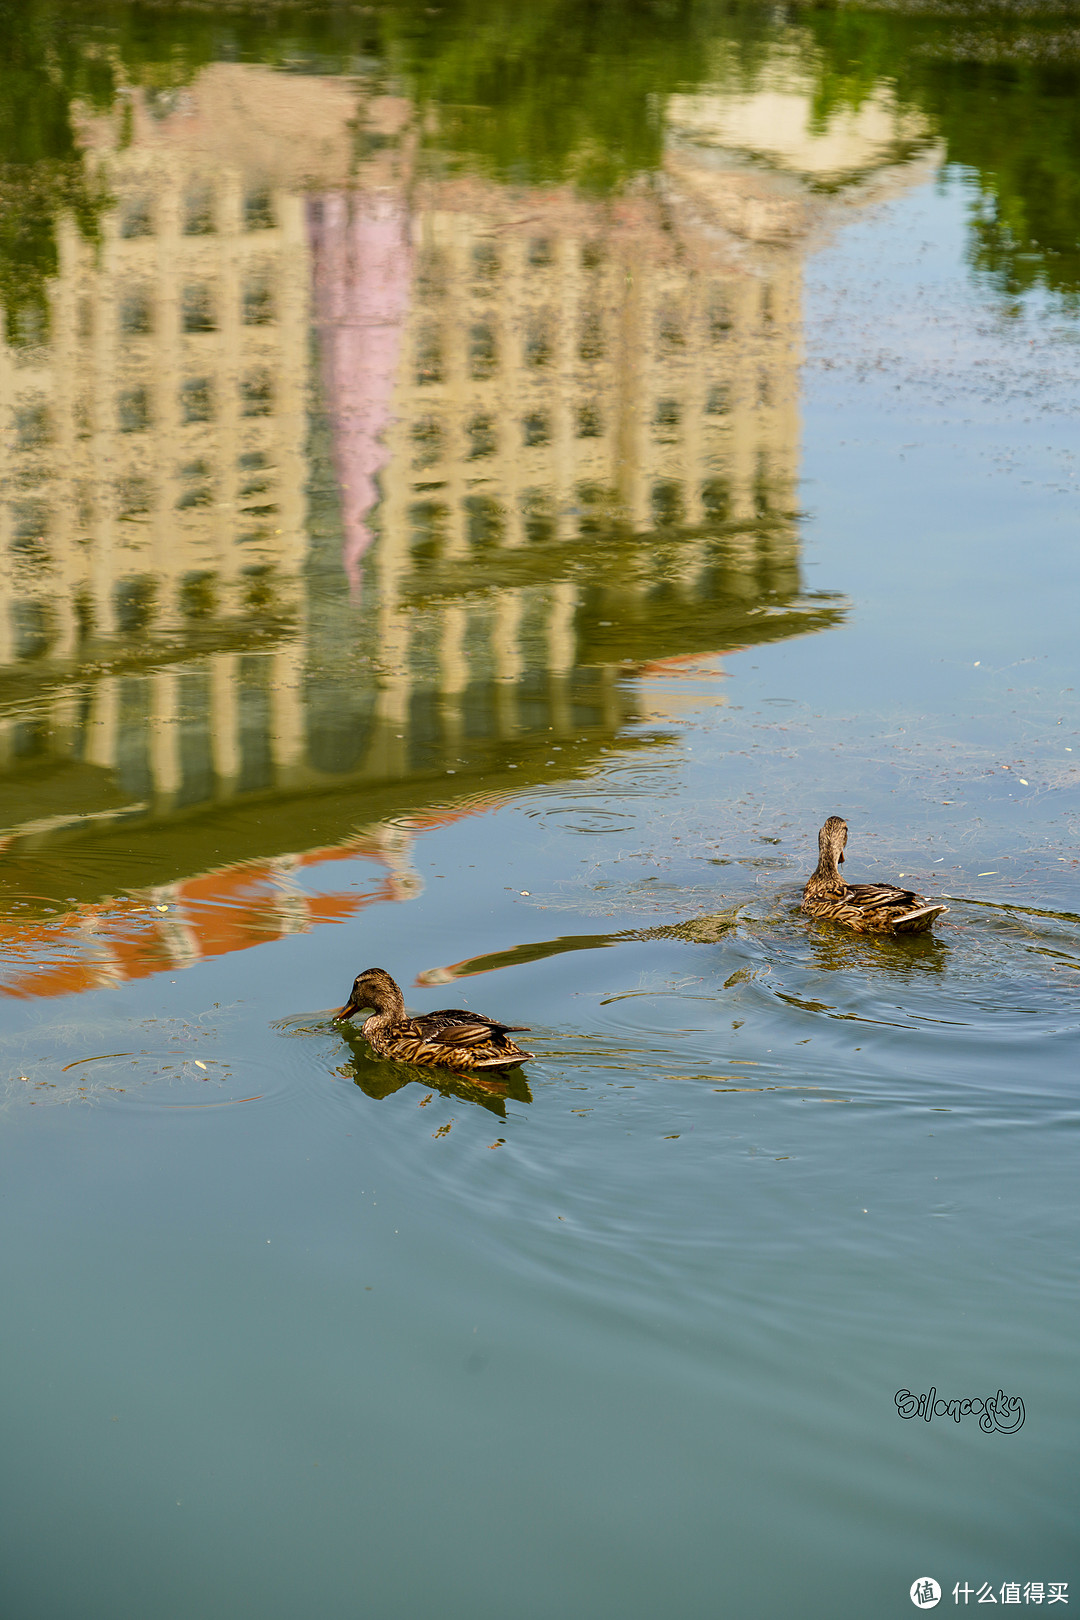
336	503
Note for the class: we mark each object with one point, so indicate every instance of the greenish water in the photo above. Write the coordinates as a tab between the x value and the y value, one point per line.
480	488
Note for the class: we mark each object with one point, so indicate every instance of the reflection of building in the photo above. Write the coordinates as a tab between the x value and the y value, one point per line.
776	122
157	463
586	362
592	456
570	428
171	927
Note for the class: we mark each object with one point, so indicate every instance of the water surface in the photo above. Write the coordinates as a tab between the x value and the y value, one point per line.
478	492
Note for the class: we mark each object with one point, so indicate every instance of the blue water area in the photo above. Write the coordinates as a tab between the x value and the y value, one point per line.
480	492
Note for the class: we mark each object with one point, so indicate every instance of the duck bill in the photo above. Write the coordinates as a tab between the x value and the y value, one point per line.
841	860
347	1011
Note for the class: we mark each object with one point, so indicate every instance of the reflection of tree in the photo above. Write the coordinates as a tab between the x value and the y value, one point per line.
543	91
41	170
1003	90
556	89
57	53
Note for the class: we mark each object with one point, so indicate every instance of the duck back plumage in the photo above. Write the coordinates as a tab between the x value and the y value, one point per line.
867	908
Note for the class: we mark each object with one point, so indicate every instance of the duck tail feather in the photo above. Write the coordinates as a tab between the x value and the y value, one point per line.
913	922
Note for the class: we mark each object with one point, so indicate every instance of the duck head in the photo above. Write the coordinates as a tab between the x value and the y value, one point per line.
373	988
831	841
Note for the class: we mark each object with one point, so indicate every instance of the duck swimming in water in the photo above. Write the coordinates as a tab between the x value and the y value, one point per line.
450	1039
868	908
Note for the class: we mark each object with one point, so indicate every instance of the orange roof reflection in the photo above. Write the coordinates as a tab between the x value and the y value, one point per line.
211	914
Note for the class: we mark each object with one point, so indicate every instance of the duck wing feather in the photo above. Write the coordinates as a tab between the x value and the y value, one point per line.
453	1027
883	894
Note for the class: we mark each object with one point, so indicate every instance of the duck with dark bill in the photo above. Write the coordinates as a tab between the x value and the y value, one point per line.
450	1039
868	908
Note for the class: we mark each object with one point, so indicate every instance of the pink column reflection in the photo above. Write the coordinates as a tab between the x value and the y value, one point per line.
362	272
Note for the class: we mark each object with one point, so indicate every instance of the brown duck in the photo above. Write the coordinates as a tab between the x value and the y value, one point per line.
868	908
449	1039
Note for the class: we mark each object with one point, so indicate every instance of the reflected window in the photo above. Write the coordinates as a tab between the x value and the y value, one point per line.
589	422
258	480
427	438
259	210
85	319
429	356
258	307
716	499
258	588
253	717
762	486
84	616
536	429
134	498
427	645
481	434
483	351
198	598
600	507
253	537
538	342
591	344
485	257
539	253
198	213
32	628
28	325
30	526
33	426
265	510
430	273
136	219
194	742
197	400
538	516
424	729
484	520
29	739
764	392
257	395
718	401
593	255
667	504
534	695
668	413
134	708
587	697
135	314
133	410
478	712
479	650
133	604
199	492
670	337
766	304
197	312
719	319
427	522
